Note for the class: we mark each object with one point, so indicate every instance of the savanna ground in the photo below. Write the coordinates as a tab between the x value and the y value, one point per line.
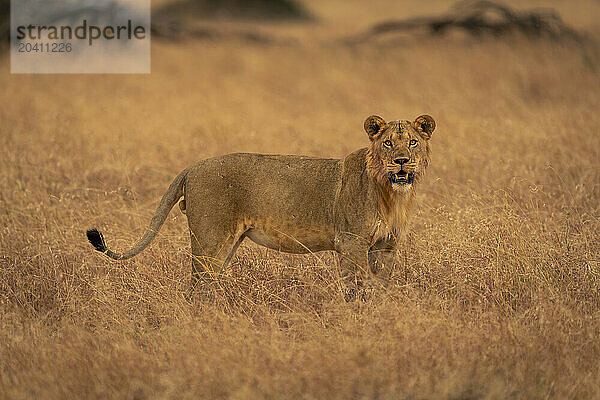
498	291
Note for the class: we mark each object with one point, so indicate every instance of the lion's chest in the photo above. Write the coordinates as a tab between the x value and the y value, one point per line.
391	221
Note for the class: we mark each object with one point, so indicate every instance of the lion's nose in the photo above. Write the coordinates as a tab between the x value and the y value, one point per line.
401	160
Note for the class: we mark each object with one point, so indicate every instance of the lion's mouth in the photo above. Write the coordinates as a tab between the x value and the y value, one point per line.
402	177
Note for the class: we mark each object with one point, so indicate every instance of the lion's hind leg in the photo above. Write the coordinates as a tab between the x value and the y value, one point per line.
209	256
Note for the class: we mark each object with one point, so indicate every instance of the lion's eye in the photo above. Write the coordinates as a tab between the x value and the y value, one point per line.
388	143
413	143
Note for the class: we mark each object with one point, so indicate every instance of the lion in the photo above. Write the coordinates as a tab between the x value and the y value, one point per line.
357	206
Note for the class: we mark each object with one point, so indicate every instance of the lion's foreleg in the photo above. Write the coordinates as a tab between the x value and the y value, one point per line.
383	256
354	264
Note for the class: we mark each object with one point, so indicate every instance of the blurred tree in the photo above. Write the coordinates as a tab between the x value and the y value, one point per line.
477	18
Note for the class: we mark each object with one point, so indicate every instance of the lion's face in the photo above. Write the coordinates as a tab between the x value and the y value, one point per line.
399	151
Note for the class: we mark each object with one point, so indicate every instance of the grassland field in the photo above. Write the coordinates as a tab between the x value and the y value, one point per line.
497	294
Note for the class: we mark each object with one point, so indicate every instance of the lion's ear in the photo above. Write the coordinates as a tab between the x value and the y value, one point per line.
425	125
373	125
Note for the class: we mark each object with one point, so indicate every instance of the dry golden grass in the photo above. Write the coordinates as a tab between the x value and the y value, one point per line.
498	293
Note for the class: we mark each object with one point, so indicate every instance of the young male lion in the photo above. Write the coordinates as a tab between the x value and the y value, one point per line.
357	206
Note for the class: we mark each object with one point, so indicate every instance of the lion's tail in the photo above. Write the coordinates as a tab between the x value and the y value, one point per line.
166	203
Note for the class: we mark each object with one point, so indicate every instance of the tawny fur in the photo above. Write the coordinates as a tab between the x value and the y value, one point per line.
357	206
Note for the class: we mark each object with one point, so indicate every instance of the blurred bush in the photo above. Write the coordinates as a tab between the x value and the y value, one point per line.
4	21
238	9
181	11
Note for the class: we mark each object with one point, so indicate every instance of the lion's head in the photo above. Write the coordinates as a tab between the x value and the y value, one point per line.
399	151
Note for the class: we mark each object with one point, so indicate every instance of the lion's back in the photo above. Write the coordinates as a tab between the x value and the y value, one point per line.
259	186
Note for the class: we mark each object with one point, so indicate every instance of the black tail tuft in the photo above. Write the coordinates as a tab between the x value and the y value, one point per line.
96	239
